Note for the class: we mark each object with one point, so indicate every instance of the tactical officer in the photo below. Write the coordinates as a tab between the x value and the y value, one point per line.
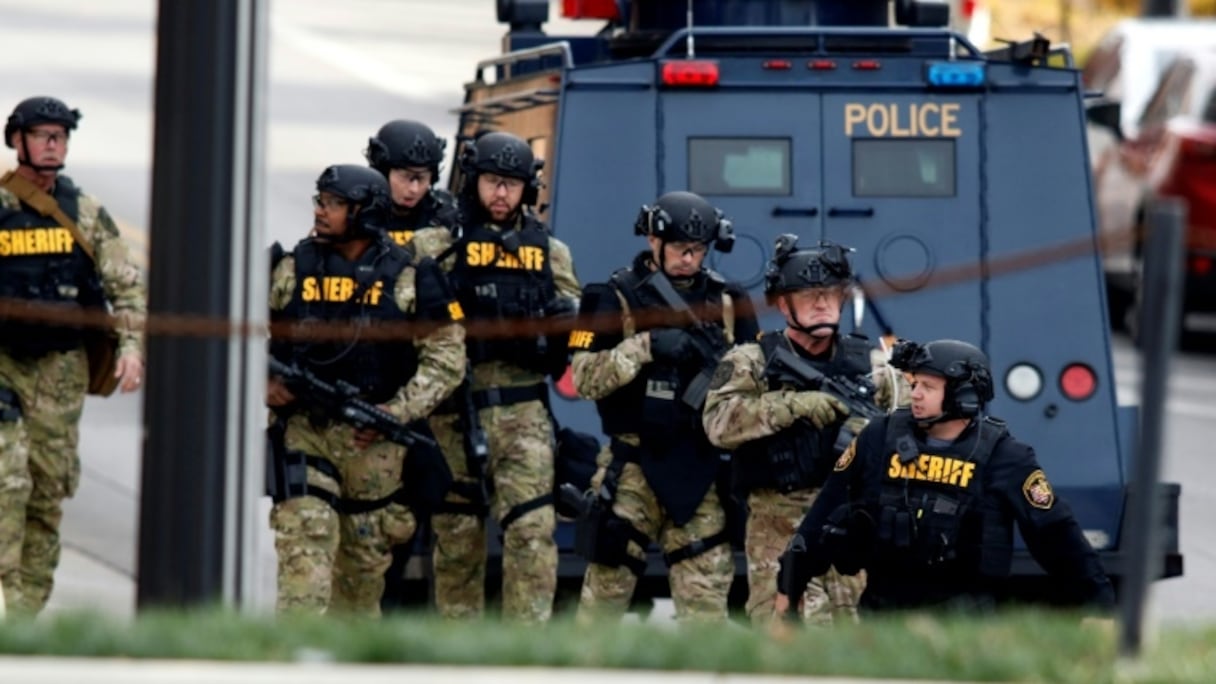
767	404
409	153
339	510
658	474
505	268
59	249
926	500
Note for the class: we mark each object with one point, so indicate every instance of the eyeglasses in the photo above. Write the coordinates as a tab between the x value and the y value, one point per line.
689	248
328	203
814	294
44	137
505	182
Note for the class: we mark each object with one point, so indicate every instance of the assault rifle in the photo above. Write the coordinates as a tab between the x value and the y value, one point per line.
857	395
340	401
709	346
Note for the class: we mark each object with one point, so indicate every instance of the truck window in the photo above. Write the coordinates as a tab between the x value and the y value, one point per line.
739	166
903	168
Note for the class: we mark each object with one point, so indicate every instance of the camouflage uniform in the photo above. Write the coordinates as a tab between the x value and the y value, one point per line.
519	470
654	483
741	408
332	561
39	462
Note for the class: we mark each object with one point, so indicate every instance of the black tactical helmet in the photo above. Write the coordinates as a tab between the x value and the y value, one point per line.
685	217
500	153
503	154
33	111
367	191
793	269
965	368
402	143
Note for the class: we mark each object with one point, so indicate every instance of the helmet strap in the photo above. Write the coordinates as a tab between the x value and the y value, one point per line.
40	168
796	324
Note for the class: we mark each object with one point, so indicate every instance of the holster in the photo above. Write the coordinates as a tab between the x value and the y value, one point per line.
848	536
286	474
587	527
101	346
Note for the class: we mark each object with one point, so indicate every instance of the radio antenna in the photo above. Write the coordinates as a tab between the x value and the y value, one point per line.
692	48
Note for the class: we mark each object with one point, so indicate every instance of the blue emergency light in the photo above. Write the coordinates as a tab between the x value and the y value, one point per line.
955	74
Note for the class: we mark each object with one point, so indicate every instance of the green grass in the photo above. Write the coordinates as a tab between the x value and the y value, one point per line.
1023	646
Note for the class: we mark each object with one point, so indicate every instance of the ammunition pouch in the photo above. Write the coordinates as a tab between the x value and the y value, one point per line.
927	538
10	406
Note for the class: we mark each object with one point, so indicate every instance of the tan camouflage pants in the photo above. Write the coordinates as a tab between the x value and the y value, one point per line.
39	468
699	585
772	520
520	465
330	562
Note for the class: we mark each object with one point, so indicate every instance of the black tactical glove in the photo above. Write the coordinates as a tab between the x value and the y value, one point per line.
671	345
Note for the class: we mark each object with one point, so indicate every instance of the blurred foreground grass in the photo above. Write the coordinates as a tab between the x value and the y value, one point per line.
1021	646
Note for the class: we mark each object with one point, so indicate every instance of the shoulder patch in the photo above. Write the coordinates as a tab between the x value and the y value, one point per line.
846	459
722	374
1037	490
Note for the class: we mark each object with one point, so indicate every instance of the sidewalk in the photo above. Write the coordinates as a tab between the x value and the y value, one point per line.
73	671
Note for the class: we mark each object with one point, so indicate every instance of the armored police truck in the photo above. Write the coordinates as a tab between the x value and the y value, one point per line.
960	177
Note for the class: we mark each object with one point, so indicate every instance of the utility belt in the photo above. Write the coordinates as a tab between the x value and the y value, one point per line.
33	340
496	396
425	477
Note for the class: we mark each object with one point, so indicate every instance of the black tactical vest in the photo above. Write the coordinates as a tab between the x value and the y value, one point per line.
507	275
675	455
41	263
331	289
930	516
800	456
650	405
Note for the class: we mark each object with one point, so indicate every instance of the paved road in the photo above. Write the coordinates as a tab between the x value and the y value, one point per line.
339	70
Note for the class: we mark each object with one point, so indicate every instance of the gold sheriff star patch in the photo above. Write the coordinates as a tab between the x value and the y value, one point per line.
1037	490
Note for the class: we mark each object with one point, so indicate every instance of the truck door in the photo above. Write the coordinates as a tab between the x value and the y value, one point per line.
902	185
756	155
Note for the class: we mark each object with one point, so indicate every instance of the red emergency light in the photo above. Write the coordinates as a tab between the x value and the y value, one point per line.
690	73
1078	382
590	9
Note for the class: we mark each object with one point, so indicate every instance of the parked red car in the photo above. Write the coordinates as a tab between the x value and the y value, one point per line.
1172	153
